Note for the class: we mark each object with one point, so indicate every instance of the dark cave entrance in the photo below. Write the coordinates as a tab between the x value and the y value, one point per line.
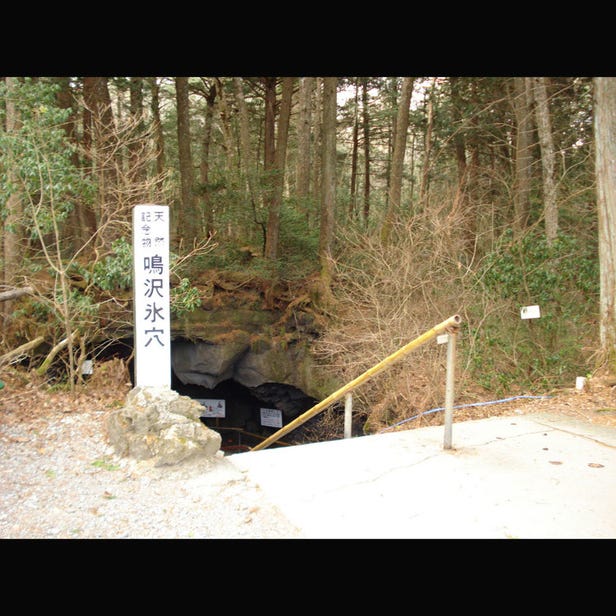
243	416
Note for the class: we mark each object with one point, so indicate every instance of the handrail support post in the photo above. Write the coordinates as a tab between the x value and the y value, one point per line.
449	386
348	415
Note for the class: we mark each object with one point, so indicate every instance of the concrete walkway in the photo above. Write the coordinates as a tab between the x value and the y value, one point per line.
532	476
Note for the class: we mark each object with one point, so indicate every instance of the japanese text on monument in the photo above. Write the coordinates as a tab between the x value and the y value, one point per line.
151	295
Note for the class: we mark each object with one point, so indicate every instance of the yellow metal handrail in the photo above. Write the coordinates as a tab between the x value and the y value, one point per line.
450	324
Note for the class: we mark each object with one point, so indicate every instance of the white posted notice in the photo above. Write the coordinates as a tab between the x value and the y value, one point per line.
271	418
212	408
152	311
530	312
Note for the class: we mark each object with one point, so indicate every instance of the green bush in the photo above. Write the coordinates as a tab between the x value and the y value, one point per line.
533	271
184	298
115	272
563	280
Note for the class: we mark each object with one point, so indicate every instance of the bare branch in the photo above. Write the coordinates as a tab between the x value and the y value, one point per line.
15	293
17	353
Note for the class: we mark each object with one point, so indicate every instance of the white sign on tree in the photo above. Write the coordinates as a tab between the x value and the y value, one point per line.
530	312
152	312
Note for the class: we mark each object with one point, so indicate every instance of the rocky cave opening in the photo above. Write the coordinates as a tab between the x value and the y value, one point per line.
244	414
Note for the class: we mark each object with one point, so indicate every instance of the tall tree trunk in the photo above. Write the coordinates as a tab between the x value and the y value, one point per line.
186	227
475	214
397	163
605	170
158	127
248	169
280	156
546	141
65	100
73	234
304	123
523	152
328	185
204	166
86	117
99	134
462	202
423	188
366	127
13	221
136	164
392	97
458	139
225	127
231	161
98	100
412	171
318	141
269	148
354	154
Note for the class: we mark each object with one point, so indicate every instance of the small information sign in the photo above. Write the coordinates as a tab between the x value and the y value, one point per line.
271	418
213	408
530	312
442	338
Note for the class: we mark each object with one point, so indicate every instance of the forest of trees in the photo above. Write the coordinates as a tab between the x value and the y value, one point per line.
403	200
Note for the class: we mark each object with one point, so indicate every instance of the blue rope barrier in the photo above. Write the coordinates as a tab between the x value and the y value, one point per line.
461	406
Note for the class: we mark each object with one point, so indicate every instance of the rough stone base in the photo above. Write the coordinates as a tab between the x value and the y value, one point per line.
159	423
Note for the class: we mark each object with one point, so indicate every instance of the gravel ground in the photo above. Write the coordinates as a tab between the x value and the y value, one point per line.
59	478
